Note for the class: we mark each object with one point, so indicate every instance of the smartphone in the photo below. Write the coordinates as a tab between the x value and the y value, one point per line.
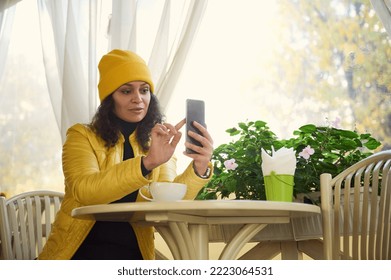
195	111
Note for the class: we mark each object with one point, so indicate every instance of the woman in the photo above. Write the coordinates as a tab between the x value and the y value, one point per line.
125	147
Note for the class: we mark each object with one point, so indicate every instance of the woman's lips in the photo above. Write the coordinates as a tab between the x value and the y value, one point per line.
137	110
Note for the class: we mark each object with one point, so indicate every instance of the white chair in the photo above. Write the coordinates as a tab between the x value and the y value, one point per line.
25	223
356	212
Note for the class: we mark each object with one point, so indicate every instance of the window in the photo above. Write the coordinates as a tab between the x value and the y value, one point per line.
287	62
290	63
30	145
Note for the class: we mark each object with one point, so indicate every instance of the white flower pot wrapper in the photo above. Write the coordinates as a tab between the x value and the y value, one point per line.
278	170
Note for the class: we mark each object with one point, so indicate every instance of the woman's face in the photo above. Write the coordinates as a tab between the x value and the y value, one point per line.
131	101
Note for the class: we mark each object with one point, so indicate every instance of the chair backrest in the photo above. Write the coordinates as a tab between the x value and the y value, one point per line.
356	212
25	223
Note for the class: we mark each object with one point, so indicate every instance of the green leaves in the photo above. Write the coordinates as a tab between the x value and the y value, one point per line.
233	131
335	150
309	128
372	144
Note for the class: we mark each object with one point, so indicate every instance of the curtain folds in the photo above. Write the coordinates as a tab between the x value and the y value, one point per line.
176	59
123	25
7	14
70	32
168	56
383	10
5	4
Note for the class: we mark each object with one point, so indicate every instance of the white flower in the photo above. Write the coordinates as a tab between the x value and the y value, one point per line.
230	164
307	152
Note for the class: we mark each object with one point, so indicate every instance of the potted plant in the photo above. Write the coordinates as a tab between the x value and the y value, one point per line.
319	149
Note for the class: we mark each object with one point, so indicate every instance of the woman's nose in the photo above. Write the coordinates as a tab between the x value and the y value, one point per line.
136	98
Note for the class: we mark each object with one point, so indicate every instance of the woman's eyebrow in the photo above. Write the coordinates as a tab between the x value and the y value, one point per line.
131	85
127	85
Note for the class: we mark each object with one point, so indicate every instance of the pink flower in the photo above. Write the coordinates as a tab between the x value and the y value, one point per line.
307	152
230	164
336	123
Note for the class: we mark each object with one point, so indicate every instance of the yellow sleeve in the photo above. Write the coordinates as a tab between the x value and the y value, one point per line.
189	177
90	183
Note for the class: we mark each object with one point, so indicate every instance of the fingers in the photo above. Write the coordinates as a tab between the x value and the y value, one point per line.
167	133
164	129
204	151
170	129
180	124
203	131
159	129
175	140
164	140
205	143
204	138
167	128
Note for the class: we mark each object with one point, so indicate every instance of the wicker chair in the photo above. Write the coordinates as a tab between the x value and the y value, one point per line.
25	223
356	212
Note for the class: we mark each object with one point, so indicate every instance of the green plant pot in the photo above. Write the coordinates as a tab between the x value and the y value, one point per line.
279	187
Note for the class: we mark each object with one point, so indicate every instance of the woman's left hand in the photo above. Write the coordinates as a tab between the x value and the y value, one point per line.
164	139
203	153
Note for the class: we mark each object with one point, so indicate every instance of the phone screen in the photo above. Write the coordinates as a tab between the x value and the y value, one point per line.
195	111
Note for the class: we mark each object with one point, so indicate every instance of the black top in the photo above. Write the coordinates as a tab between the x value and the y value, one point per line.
114	240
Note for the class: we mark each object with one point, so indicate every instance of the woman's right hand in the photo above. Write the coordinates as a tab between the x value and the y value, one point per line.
164	139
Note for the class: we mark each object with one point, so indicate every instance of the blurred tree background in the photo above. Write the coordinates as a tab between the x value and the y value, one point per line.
30	144
333	58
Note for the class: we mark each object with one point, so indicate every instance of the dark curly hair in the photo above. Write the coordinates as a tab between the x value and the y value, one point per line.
105	125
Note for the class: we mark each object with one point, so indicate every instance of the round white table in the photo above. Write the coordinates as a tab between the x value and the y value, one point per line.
184	224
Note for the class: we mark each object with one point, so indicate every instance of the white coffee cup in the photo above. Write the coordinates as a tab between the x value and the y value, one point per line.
164	191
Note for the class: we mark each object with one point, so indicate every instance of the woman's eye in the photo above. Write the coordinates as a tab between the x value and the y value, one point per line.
126	91
145	90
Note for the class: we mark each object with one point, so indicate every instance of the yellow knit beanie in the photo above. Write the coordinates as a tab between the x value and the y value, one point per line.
119	67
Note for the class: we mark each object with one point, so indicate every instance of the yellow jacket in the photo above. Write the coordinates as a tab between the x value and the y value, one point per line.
97	175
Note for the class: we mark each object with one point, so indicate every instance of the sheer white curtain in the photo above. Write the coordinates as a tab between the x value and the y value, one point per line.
383	10
68	34
167	56
7	12
175	60
123	25
69	31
